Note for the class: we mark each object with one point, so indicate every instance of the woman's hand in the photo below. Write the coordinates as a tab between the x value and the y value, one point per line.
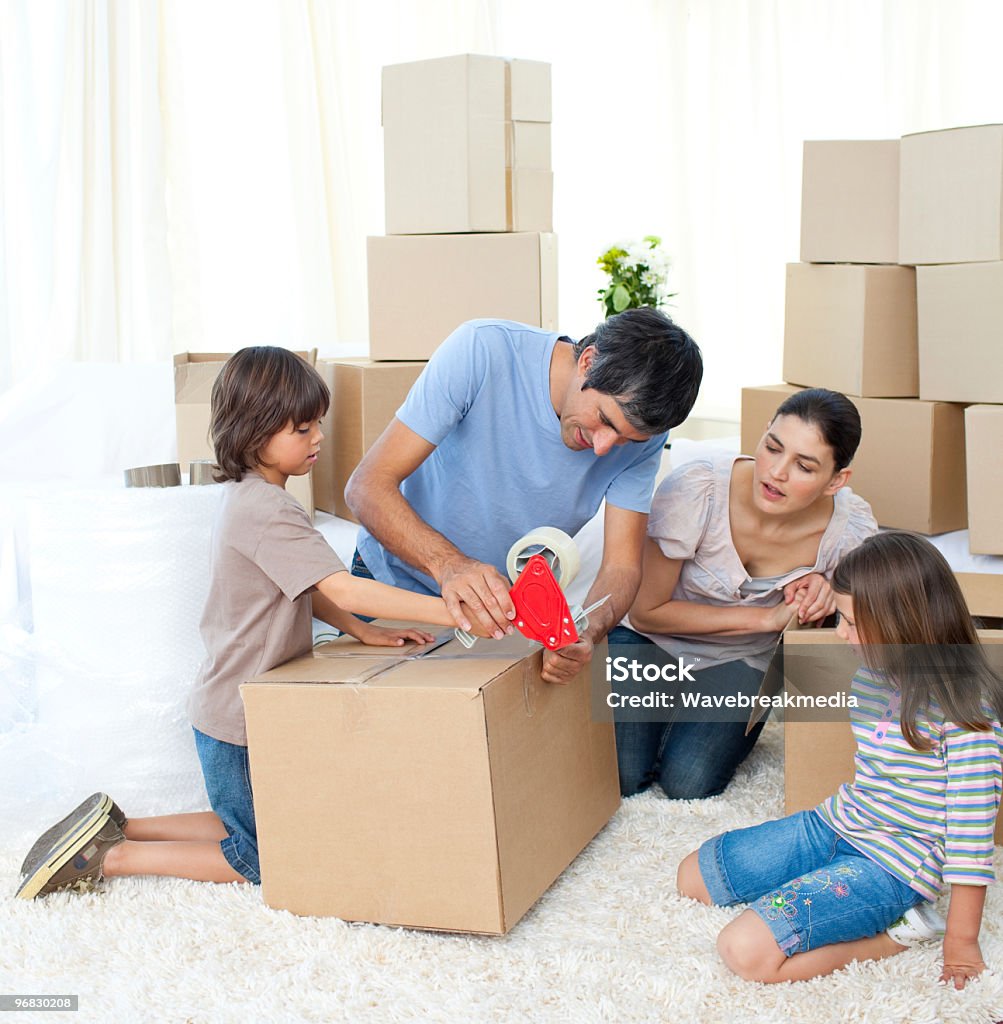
387	636
814	595
778	616
962	961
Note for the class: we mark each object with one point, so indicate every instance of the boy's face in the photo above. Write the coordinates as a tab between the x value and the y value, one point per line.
290	452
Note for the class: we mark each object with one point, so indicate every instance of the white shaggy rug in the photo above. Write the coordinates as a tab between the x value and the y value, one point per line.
611	941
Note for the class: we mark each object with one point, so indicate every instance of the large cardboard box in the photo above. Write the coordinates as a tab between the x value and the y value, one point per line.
445	137
910	464
984	459
422	287
951	196
446	791
364	398
850	201
818	754
852	328
960	311
194	374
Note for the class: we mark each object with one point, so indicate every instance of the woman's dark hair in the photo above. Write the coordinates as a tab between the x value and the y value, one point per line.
257	393
915	627
649	364
832	414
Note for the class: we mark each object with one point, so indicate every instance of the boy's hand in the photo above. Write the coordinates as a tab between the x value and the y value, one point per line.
962	961
388	636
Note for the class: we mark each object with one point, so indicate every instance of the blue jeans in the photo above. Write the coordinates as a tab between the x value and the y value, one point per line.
810	886
688	759
227	776
360	569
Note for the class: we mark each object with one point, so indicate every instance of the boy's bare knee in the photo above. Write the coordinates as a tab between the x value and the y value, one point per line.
690	882
748	949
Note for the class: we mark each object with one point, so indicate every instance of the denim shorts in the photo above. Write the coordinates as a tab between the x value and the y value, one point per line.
810	886
227	774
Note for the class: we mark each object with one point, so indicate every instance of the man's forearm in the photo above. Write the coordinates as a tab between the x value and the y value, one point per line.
621	584
386	514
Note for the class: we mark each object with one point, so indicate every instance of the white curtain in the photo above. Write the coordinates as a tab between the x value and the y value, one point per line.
83	256
679	119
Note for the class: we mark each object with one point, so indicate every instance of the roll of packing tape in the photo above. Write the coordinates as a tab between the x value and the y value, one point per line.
166	475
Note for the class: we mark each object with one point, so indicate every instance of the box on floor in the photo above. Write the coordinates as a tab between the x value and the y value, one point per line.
983	448
818	755
466	144
850	201
852	328
910	464
194	375
365	395
960	326
951	196
422	287
443	791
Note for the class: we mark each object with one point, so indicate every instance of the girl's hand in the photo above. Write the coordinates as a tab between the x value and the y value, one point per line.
387	636
962	961
817	600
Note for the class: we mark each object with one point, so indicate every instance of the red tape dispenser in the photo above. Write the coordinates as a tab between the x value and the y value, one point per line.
541	609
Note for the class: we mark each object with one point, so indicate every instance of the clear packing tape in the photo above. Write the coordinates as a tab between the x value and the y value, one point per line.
99	648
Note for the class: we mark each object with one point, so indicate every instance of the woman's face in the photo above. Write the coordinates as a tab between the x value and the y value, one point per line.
794	468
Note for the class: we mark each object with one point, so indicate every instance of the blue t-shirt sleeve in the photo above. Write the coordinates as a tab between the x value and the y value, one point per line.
446	388
633	488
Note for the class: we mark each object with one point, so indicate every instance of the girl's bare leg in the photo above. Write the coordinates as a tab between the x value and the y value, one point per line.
748	948
199	860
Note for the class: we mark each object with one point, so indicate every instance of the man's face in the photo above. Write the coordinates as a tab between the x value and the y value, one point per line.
590	419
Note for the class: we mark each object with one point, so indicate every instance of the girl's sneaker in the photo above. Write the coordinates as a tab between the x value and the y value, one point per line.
920	923
73	858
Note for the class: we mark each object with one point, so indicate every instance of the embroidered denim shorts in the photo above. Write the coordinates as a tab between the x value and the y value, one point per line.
227	774
810	886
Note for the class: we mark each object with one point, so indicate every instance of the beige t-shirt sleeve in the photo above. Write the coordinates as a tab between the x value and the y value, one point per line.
291	552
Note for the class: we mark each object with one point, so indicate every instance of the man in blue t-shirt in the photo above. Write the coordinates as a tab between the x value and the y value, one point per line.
511	427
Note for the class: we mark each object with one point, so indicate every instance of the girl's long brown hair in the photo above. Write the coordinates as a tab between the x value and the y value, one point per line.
915	627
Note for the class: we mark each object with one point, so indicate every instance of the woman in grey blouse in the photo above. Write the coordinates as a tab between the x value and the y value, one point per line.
736	546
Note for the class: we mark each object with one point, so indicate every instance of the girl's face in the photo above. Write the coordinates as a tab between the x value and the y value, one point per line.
290	452
794	467
846	627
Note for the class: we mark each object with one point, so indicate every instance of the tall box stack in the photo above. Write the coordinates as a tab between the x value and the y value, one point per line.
469	202
850	325
951	230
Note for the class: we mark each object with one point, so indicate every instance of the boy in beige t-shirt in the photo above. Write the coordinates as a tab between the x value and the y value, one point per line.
271	572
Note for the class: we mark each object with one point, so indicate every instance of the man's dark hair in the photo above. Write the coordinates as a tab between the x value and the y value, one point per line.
257	393
832	414
649	364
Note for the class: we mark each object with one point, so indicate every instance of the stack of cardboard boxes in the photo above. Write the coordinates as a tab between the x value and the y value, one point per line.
469	219
898	303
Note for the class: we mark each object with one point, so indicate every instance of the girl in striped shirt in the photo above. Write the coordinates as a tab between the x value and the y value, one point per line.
856	878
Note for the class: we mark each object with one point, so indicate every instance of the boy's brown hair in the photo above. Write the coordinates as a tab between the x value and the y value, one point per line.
258	392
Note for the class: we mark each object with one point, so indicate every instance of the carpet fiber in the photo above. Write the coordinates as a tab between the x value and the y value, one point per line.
611	941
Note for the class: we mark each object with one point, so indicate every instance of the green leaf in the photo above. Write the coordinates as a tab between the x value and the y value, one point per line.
621	298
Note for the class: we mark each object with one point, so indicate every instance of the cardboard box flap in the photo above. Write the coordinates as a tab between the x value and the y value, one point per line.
430	667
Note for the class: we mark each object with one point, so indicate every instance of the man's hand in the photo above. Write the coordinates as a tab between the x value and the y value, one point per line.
562	666
476	595
962	961
814	595
387	636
